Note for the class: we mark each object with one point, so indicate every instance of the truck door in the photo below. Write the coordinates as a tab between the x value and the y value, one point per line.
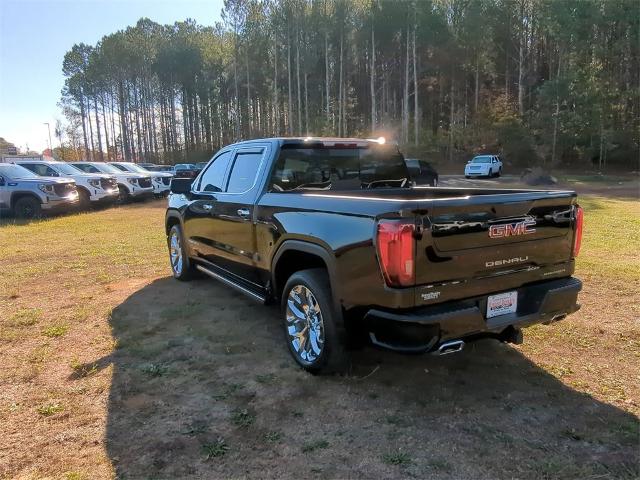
219	224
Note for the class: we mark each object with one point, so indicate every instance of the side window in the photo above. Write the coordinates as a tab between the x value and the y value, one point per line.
119	167
88	168
31	167
213	177
81	166
50	172
244	170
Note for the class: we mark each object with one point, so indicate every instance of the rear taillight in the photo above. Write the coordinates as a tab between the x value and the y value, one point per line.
577	238
396	251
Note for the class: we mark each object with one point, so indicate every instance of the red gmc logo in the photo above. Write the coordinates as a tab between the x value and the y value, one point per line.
512	229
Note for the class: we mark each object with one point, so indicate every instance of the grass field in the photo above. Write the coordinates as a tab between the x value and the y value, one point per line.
109	368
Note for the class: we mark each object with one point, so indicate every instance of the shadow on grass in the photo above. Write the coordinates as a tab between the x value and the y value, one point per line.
203	387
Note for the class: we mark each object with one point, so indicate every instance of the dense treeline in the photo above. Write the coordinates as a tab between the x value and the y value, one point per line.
549	81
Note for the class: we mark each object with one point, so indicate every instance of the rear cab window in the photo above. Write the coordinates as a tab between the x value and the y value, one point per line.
320	167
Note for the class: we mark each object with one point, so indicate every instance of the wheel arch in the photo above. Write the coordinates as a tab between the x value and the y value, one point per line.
84	189
15	196
295	255
171	219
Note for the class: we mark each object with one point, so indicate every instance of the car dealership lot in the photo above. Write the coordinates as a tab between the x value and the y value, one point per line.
110	367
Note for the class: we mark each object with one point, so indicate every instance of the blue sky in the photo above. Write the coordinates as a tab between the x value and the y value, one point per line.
34	36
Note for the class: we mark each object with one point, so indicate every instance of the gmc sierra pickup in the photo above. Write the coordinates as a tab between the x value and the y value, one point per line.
335	231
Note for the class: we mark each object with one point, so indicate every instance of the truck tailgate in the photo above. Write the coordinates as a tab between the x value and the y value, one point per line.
492	243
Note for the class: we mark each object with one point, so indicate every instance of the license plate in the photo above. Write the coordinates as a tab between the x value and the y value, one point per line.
502	304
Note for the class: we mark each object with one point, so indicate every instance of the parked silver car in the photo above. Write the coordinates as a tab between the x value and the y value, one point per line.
27	195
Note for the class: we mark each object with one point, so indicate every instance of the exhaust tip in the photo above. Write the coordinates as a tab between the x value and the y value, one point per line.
450	347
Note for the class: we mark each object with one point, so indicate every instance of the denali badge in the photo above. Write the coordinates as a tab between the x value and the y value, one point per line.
524	227
506	261
430	295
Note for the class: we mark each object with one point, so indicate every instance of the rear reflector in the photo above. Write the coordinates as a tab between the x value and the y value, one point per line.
396	251
577	239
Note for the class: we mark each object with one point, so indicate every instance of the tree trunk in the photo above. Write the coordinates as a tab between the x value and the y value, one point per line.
83	115
451	117
416	109
521	37
326	73
373	79
405	98
306	105
276	108
106	128
477	89
235	81
249	115
90	131
556	117
340	92
298	82
290	105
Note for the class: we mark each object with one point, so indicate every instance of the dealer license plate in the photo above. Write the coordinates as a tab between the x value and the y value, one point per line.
502	304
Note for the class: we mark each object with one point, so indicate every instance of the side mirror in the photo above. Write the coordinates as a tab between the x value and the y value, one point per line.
1	182
181	185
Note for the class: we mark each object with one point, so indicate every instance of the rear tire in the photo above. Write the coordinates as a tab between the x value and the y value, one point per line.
181	266
27	208
314	332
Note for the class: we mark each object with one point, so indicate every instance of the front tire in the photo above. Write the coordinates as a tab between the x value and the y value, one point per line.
123	194
84	199
27	208
181	266
314	332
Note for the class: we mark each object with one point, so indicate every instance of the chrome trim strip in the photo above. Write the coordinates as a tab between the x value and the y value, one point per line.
232	284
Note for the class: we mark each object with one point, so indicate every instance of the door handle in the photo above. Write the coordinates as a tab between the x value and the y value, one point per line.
244	212
207	206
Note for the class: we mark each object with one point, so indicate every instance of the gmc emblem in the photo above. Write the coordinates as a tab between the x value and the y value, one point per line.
512	229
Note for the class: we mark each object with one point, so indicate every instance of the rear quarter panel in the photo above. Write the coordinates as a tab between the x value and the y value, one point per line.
347	237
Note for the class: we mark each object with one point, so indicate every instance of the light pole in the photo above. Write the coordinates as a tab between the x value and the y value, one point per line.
50	144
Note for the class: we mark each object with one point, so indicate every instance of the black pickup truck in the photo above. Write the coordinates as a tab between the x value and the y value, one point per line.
335	231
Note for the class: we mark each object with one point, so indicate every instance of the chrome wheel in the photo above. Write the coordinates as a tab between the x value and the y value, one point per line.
175	252
305	328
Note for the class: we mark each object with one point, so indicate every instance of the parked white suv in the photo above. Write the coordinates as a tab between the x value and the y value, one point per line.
483	166
130	185
93	188
27	195
161	180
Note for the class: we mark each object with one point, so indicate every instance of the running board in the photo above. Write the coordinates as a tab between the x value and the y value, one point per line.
232	284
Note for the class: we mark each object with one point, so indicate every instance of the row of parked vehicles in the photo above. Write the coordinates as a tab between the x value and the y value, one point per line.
32	187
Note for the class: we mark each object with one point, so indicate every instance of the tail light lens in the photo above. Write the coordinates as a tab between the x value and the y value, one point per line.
577	238
396	251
